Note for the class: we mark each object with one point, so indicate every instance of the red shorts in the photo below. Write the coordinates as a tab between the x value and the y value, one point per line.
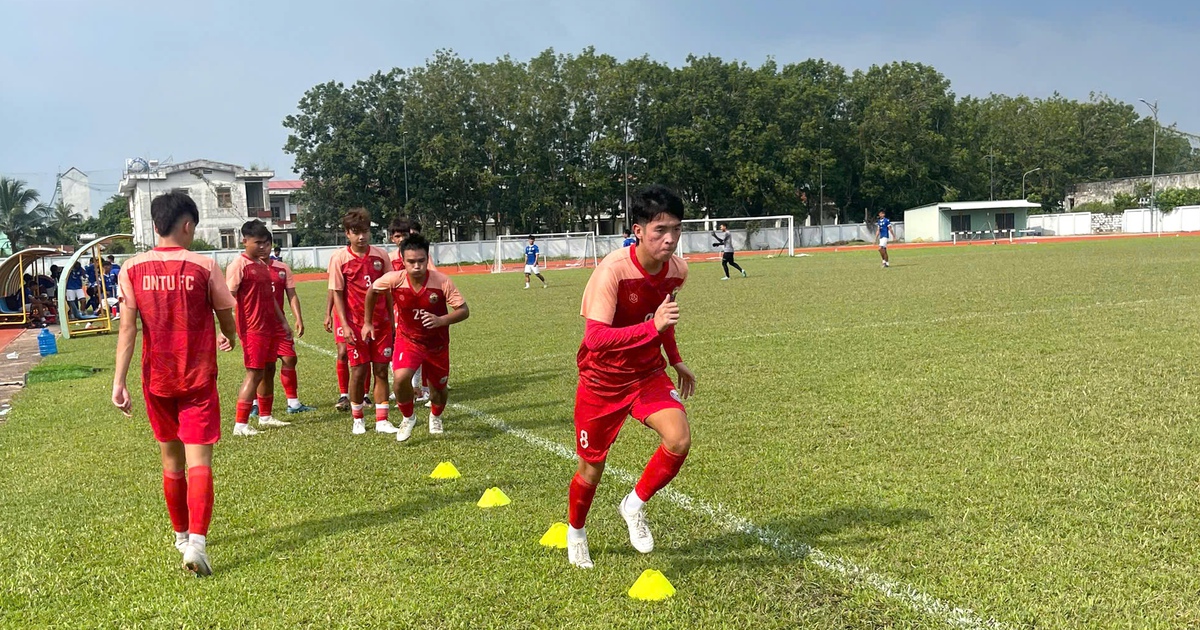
285	347
434	364
190	418
378	350
339	333
600	415
259	351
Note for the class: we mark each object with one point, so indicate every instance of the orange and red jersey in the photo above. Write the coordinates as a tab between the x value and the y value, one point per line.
354	275
437	296
249	281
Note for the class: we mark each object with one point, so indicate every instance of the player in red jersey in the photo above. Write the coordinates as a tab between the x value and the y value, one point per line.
426	303
352	271
629	304
284	286
342	360
400	229
174	292
260	321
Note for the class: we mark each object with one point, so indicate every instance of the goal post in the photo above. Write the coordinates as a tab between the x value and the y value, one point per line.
773	235
561	250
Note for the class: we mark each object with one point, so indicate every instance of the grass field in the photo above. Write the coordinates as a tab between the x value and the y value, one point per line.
979	434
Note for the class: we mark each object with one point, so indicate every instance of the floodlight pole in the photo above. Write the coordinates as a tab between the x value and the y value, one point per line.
1153	157
1023	180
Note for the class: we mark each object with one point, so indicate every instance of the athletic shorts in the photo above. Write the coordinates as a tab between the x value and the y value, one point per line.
285	347
378	350
76	294
339	333
727	257
259	351
531	269
433	364
883	241
190	418
600	415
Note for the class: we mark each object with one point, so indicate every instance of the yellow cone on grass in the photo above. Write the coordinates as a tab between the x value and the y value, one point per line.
445	470
652	586
555	537
493	497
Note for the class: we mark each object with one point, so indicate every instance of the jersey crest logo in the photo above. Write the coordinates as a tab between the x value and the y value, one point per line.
387	353
282	275
378	266
633	298
675	395
433	298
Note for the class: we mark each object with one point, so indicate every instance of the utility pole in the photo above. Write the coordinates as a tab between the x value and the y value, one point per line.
821	171
1153	157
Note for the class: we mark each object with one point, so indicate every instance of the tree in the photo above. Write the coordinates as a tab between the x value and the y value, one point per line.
20	213
62	225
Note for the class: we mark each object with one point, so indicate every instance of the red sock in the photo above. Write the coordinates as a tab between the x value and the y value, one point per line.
579	501
264	405
406	408
437	409
175	489
660	470
356	411
291	385
381	412
200	499
343	371
243	411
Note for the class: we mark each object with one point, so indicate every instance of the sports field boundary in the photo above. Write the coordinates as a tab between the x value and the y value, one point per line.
904	594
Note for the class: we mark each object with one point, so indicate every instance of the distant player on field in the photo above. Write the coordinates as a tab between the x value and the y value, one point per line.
352	271
261	323
531	262
725	240
630	308
883	232
174	293
284	286
426	304
629	240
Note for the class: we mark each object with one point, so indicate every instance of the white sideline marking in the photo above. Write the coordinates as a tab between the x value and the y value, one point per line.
889	588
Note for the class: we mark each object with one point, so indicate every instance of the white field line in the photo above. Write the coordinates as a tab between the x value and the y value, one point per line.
889	588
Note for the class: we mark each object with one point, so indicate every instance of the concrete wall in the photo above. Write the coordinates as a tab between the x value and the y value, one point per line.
923	224
1062	224
75	191
1104	191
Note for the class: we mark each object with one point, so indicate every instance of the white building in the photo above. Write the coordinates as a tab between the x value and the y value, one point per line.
75	191
227	196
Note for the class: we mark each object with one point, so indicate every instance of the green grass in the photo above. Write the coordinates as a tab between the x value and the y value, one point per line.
52	372
1008	429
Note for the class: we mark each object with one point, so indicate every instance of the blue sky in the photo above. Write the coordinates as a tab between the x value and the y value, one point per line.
91	83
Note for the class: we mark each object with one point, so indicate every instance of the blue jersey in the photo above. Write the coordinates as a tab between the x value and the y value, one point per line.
90	270
75	279
531	254
629	240
885	228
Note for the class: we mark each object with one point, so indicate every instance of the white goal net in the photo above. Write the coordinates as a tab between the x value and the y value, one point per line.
774	235
566	250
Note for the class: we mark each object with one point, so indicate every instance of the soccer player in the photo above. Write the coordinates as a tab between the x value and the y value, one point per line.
883	231
725	240
352	272
284	285
276	255
342	360
174	293
423	300
261	323
75	291
399	230
629	240
630	308
531	262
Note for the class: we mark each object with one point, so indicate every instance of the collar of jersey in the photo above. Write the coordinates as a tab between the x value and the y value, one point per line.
637	263
167	249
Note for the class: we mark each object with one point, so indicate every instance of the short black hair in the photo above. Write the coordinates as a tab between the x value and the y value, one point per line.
111	258
357	220
626	232
255	229
413	242
278	247
532	238
414	225
401	225
168	210
653	201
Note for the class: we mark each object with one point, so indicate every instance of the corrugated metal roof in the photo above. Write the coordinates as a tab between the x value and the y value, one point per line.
1000	204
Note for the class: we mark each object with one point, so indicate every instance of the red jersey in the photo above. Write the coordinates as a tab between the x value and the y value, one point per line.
175	293
250	283
282	280
620	294
354	275
436	296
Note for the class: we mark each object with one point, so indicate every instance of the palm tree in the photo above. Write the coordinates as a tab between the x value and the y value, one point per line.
61	223
18	220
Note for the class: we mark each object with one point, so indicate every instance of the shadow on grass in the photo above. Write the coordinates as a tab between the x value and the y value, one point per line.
494	385
794	538
291	537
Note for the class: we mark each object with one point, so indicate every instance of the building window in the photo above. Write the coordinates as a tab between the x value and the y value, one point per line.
960	223
255	204
1006	221
181	190
224	197
278	212
228	239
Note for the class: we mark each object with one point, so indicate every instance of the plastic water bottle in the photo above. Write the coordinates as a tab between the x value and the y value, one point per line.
47	344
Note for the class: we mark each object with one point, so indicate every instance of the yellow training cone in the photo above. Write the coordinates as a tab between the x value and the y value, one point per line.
652	586
445	470
493	497
555	537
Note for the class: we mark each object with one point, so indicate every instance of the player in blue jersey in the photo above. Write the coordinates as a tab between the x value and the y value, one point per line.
883	232
531	262
629	239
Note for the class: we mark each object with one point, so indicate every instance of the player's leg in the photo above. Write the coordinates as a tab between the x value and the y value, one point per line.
420	391
735	266
402	386
360	376
883	251
542	278
266	399
725	260
200	506
289	378
254	354
598	420
380	371
343	367
175	489
436	367
659	408
526	278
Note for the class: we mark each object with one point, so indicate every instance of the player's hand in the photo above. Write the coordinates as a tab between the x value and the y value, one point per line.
687	380
429	320
328	324
224	343
667	314
368	331
299	331
120	398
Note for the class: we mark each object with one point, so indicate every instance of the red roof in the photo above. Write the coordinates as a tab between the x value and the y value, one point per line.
285	184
